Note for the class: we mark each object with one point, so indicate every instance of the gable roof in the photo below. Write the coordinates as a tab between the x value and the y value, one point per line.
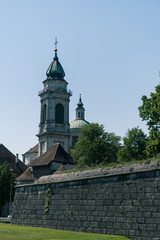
33	149
27	175
60	170
6	156
55	153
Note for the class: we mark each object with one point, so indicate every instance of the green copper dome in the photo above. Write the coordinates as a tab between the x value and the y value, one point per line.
76	126
55	70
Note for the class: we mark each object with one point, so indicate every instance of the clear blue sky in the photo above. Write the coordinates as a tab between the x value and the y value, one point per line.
109	49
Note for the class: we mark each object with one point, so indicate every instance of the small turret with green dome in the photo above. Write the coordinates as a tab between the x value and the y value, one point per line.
77	125
80	110
79	122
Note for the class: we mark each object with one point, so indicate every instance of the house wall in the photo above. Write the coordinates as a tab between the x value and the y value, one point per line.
49	169
41	171
56	165
28	157
121	201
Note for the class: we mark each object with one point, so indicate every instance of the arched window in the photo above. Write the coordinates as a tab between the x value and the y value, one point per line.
59	113
44	113
82	115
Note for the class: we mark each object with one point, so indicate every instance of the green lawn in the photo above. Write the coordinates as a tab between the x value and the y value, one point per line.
13	232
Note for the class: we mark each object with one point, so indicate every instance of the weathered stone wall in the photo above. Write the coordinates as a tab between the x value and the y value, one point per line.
117	201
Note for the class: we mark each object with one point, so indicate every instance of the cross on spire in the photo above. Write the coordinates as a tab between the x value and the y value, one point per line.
55	43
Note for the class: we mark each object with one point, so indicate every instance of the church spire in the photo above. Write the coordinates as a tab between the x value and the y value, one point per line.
55	50
55	70
80	104
80	109
55	44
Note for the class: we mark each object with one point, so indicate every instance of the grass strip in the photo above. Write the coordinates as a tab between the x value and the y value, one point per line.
14	232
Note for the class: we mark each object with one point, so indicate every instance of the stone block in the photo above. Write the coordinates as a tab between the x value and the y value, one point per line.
143	226
93	224
108	202
103	231
96	230
151	227
140	220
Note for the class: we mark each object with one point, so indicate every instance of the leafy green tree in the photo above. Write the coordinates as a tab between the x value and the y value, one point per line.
153	143
5	184
95	146
150	112
134	145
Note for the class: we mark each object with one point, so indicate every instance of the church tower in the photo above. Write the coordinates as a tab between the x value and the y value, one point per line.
54	114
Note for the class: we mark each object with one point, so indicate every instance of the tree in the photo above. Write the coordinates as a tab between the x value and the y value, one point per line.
150	112
95	146
153	143
134	145
5	184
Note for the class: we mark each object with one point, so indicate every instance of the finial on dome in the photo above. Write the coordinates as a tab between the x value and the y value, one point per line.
55	45
80	104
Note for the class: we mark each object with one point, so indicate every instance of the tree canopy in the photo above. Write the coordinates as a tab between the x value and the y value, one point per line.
95	146
150	109
134	145
5	183
150	112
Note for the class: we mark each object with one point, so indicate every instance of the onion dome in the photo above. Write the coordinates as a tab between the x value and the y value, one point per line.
55	70
80	104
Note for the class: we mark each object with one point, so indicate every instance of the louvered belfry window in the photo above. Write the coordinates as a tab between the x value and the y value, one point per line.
59	113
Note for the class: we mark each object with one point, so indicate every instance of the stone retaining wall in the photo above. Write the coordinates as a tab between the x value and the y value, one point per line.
118	201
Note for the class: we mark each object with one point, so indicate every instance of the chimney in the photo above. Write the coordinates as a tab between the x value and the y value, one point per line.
23	156
16	157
